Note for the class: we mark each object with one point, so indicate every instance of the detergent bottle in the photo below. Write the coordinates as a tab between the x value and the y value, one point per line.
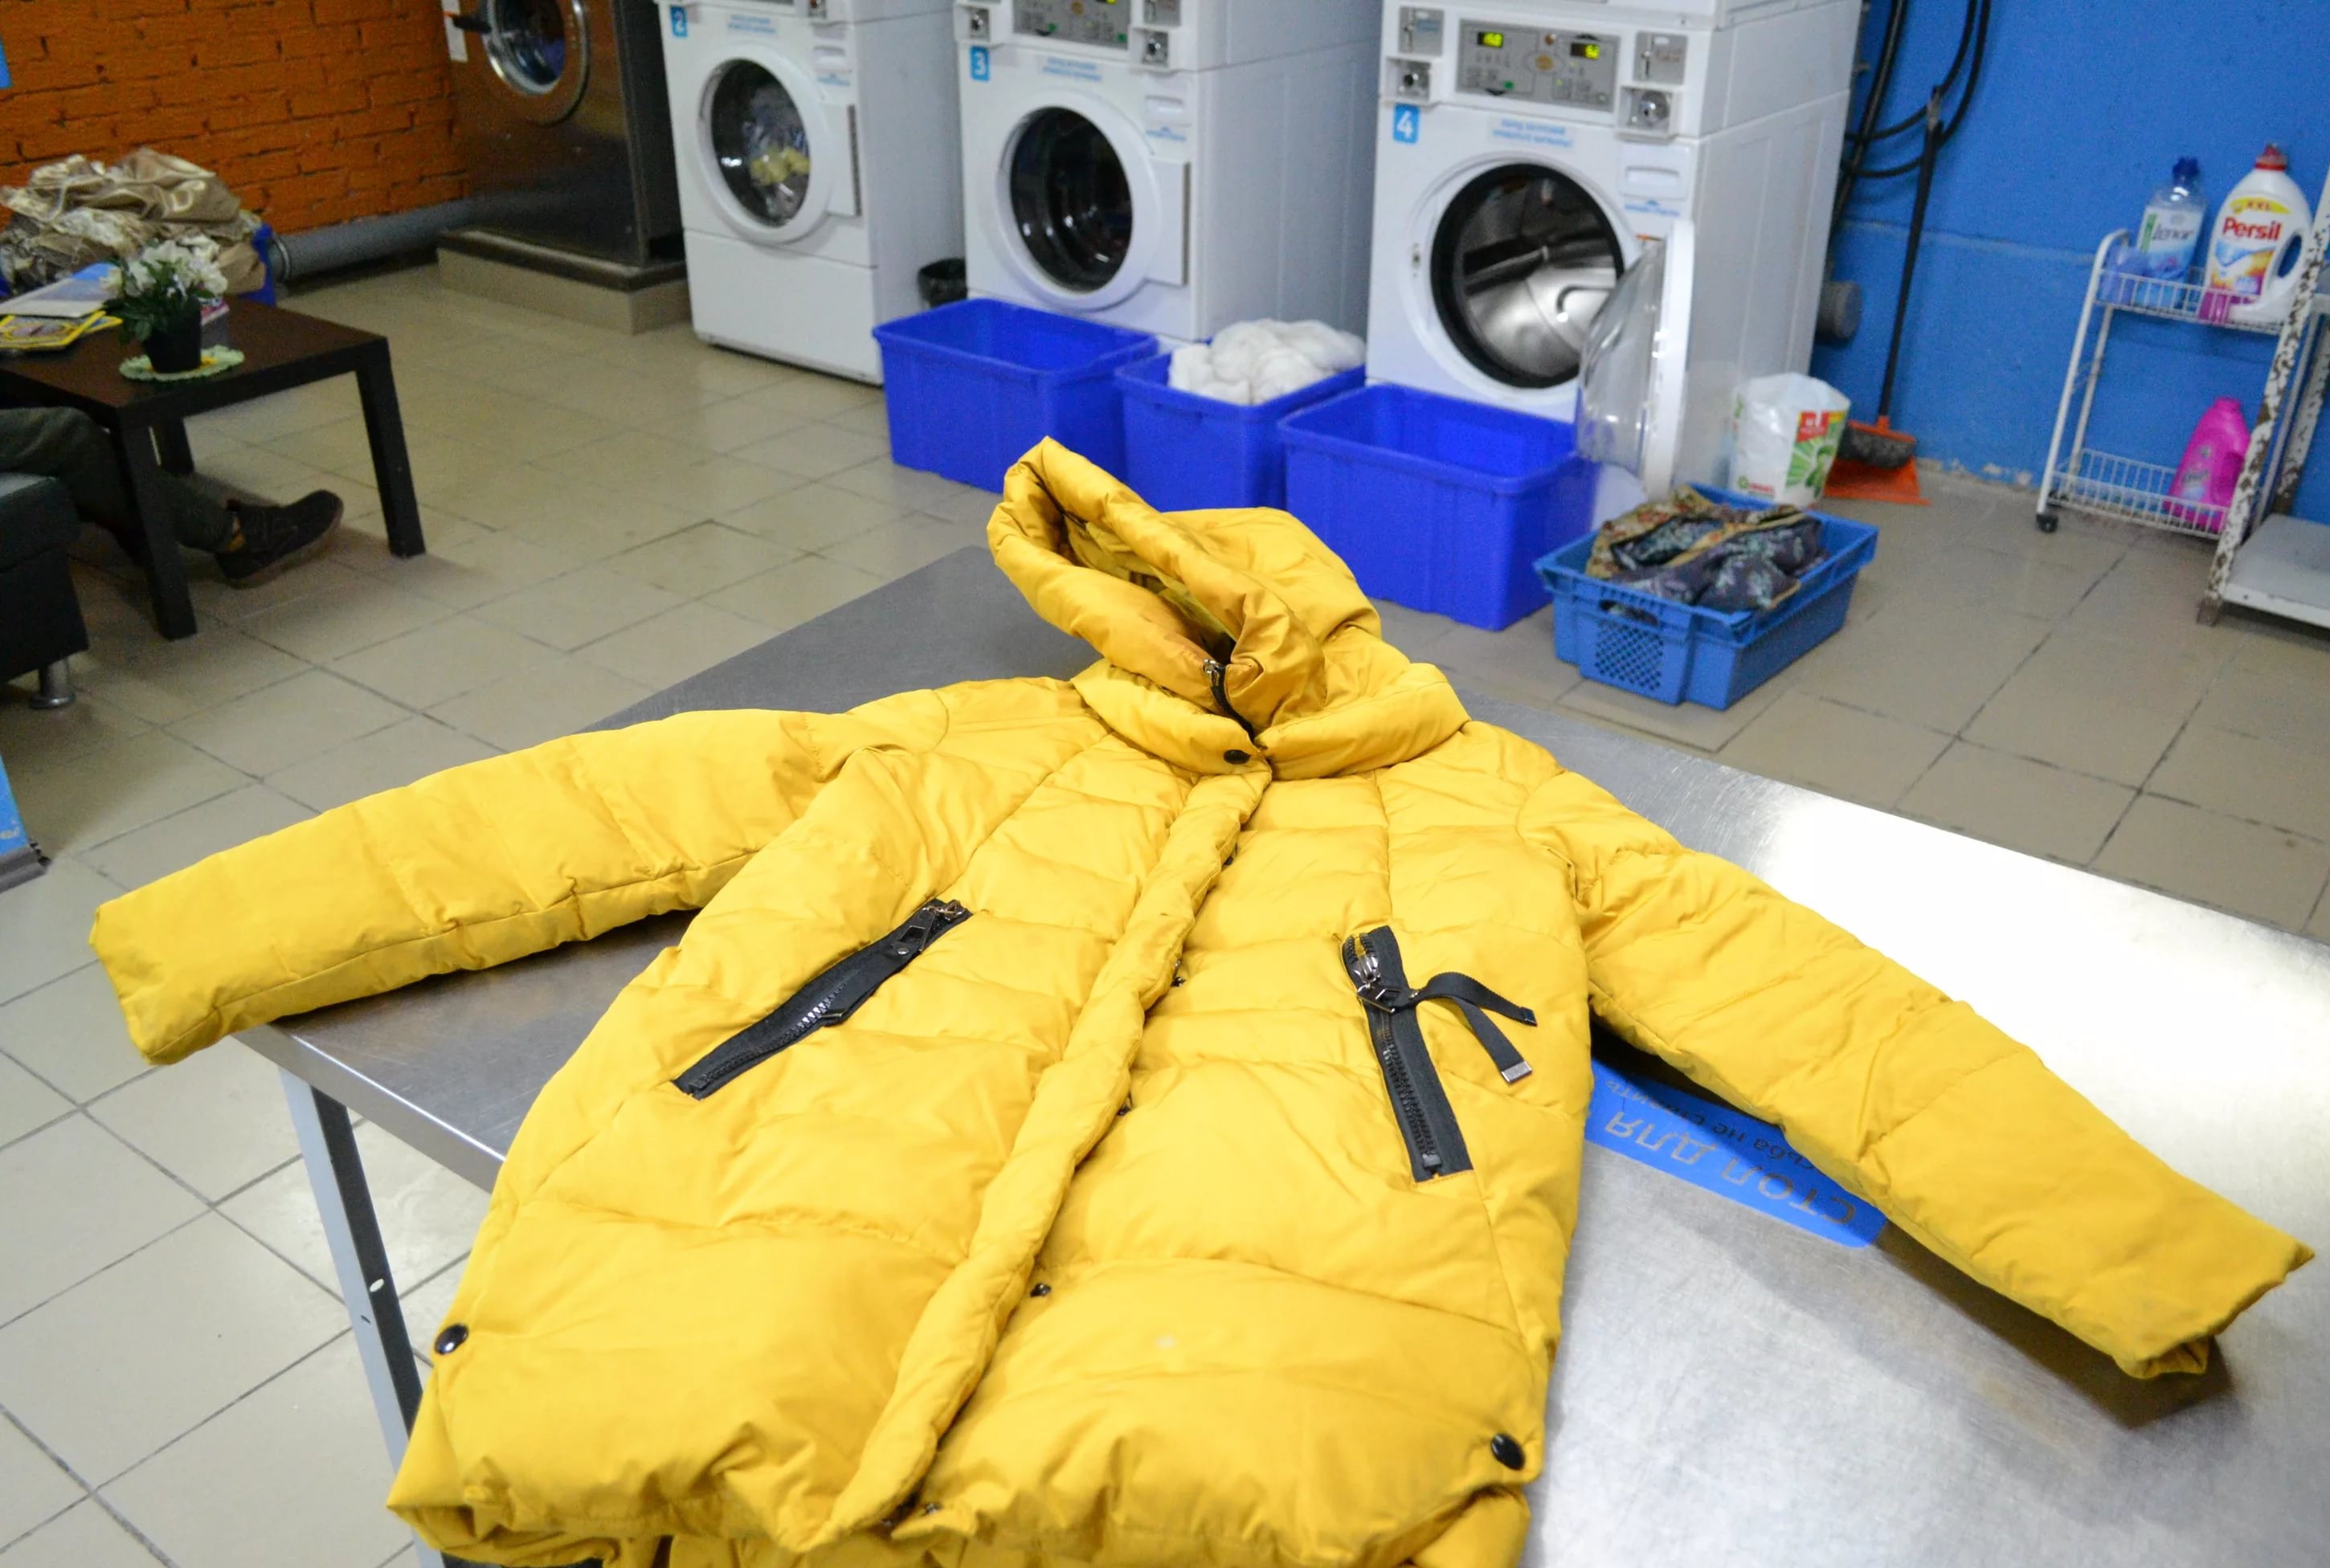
2172	221
2258	232
2212	465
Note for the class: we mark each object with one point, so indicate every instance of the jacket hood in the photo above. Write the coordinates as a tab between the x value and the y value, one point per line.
1191	611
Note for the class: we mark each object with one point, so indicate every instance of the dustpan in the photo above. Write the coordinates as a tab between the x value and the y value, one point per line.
1850	481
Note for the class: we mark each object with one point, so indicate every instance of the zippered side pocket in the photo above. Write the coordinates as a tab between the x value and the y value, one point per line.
1419	1103
830	996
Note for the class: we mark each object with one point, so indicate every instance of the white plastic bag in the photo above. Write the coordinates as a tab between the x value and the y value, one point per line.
1785	432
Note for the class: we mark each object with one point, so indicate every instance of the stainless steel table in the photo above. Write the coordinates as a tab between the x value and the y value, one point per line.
1729	1389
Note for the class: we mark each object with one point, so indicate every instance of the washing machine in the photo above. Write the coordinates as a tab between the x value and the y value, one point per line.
819	170
1529	153
1170	165
559	118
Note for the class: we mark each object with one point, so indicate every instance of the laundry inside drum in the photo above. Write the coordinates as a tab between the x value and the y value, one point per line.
760	142
1522	262
527	42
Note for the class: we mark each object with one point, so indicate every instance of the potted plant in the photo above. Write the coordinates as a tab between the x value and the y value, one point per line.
163	290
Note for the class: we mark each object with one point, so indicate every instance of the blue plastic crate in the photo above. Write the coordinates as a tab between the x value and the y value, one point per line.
972	385
1183	452
1435	503
1674	652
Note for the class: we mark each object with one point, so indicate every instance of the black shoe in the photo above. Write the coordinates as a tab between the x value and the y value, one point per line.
269	538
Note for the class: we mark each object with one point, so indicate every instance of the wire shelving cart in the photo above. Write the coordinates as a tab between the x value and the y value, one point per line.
2266	559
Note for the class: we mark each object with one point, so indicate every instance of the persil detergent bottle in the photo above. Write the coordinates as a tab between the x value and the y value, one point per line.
2256	235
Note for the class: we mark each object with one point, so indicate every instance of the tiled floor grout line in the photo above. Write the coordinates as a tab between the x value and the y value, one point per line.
2215	679
97	1489
13	1140
208	1207
89	1495
30	1436
2056	626
2118	820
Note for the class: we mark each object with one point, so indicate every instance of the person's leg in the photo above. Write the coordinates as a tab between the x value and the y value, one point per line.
67	445
252	543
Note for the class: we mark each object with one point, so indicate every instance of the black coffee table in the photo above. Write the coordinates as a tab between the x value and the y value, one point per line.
281	349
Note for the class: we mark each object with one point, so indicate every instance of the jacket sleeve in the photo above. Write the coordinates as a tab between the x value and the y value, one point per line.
475	866
1959	1134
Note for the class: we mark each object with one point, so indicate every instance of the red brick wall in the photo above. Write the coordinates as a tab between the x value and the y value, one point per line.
316	111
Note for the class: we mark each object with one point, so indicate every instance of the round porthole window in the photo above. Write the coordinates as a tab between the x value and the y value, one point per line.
1521	263
759	143
527	42
1070	200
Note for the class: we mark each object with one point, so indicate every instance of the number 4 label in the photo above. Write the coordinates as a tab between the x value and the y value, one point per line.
1406	121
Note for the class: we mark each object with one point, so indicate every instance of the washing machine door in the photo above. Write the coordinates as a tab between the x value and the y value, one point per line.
1630	388
1522	259
772	157
1086	214
539	50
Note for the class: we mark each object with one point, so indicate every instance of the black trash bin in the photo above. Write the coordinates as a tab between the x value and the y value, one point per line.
942	283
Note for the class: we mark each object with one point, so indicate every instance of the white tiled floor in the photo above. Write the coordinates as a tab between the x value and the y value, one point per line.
608	515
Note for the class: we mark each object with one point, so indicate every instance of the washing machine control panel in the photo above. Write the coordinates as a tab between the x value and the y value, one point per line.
1105	23
1508	60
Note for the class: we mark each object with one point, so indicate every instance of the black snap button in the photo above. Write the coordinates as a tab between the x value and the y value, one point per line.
1236	759
455	1336
1506	1452
1041	1290
1125	1109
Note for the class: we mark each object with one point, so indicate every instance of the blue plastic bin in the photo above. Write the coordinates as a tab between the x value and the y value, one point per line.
1435	503
1183	452
1674	652
973	385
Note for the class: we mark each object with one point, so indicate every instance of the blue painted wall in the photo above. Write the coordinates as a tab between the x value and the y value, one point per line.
2082	107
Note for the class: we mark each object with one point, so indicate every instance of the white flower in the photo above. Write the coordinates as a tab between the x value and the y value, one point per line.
180	270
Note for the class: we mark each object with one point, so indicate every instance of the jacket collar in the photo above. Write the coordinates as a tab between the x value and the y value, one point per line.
1188	609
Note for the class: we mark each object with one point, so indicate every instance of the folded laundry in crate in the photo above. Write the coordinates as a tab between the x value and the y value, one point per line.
1255	362
1697	551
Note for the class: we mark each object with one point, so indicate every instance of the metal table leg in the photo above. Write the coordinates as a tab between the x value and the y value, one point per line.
327	1147
178	453
165	571
391	469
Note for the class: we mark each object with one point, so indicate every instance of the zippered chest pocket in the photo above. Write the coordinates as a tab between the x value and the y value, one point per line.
830	996
1427	1122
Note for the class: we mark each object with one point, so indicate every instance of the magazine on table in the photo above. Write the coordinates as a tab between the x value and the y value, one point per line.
82	294
39	334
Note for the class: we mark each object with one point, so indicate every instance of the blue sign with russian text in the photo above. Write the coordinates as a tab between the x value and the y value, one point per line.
1714	1147
12	826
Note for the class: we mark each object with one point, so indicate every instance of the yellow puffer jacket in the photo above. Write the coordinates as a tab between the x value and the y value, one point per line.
1008	1169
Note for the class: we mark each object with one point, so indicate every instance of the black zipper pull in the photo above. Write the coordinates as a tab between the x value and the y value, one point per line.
1471	999
925	926
1218	675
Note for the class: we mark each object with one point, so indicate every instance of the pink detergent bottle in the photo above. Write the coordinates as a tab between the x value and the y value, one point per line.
2213	464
